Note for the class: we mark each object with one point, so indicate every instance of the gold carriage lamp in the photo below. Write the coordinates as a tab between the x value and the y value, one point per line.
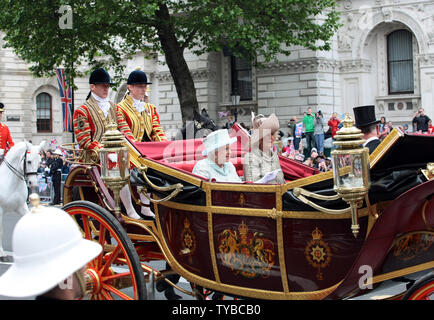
351	168
115	161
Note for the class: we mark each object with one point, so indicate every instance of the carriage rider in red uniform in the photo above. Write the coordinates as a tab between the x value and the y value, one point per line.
144	124
141	117
90	120
6	141
140	120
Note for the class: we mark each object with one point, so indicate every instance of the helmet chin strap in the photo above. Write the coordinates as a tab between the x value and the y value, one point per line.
82	282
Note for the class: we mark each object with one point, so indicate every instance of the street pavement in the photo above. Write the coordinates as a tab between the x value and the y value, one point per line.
388	288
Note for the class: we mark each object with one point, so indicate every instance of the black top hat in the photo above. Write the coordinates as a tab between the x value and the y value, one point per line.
364	116
99	76
2	107
137	77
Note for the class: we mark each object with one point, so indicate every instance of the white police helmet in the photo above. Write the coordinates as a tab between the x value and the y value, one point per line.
47	248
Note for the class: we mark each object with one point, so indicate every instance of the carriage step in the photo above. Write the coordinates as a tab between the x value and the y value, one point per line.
409	282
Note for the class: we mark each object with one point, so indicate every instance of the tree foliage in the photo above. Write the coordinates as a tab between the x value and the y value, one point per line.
105	33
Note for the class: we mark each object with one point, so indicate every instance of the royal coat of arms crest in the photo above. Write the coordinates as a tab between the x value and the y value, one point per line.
249	254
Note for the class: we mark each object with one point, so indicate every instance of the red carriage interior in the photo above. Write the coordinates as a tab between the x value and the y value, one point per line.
184	154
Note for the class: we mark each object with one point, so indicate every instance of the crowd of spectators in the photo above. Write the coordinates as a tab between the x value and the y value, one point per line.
47	160
49	178
310	140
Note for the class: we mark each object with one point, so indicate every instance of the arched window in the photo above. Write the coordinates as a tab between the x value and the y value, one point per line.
400	62
43	113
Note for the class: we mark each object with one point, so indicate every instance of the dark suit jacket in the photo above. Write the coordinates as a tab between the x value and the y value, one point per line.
372	145
55	168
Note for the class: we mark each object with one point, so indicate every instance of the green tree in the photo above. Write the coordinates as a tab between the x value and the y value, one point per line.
104	33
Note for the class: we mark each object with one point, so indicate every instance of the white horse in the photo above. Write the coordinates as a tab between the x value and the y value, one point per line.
18	171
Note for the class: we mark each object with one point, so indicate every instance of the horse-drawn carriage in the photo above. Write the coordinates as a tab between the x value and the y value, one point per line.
290	241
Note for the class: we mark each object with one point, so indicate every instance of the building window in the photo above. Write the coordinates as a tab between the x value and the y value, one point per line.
400	62
43	112
241	70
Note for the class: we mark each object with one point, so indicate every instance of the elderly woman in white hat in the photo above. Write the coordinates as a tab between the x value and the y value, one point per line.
261	164
48	249
217	167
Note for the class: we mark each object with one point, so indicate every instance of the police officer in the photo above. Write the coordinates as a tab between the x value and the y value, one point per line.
56	175
58	275
6	141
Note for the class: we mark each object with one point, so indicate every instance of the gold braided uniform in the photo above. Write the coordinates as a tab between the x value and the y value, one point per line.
145	125
90	124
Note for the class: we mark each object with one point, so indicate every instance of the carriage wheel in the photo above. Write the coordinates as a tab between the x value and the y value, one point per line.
107	271
423	289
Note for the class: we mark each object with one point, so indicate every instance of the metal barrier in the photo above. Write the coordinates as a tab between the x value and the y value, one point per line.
45	188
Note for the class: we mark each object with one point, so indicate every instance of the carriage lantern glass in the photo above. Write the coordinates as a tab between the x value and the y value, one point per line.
351	168
115	161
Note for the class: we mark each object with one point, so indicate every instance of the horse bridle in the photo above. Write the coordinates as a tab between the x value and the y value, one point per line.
24	175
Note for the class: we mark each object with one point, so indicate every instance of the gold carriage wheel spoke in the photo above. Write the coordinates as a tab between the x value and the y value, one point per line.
87	235
85	221
110	260
116	276
106	295
116	292
101	241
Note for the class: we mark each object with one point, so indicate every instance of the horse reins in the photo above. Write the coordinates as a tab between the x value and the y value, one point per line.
22	176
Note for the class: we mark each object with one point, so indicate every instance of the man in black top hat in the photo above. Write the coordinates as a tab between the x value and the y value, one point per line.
365	120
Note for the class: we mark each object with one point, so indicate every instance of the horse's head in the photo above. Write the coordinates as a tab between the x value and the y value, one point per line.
32	161
203	124
199	128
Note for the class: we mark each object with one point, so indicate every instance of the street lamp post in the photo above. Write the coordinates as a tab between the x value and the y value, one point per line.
235	102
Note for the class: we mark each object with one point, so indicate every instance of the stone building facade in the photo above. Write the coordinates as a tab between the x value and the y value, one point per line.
383	55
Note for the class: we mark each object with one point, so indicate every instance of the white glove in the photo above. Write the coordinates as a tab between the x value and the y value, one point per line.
2	152
113	157
47	169
270	176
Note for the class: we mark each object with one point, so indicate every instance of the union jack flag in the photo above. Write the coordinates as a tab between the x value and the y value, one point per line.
53	141
66	100
224	114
